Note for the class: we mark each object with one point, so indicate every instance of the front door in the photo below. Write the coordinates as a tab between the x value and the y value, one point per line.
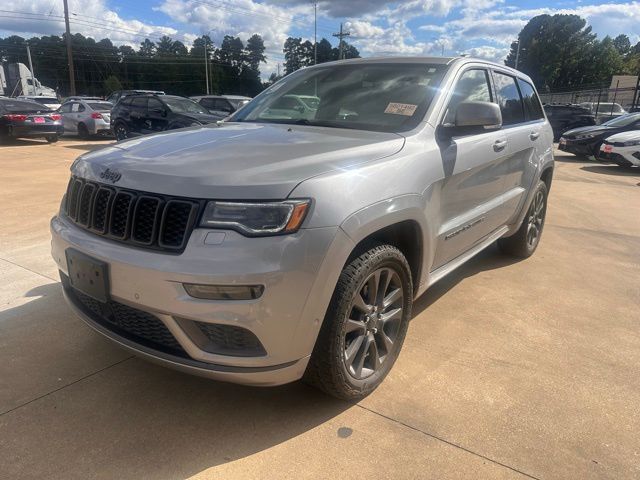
474	167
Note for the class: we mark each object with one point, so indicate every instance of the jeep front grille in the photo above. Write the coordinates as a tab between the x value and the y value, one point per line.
142	219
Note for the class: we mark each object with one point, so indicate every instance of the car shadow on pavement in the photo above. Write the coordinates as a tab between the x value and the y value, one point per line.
23	142
489	259
88	147
613	170
131	418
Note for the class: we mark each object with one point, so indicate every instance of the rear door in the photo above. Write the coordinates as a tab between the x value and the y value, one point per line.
474	164
65	112
525	125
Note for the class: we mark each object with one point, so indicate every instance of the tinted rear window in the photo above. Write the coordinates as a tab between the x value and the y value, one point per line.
508	99
100	106
532	107
22	106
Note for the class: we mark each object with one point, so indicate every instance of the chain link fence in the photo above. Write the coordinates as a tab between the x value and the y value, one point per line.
624	91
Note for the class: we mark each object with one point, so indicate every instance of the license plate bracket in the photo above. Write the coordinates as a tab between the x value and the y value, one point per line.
88	275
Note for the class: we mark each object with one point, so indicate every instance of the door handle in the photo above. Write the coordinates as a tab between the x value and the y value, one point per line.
499	145
534	135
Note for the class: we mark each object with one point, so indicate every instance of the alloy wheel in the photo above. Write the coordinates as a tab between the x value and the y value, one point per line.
535	219
373	323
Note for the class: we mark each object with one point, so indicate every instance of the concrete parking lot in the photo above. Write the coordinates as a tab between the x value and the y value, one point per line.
511	369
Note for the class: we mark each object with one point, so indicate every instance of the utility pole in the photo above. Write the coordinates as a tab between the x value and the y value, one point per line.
341	35
517	55
33	82
206	65
72	74
315	33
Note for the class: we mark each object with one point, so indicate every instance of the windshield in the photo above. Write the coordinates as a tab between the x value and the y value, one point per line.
183	105
380	97
237	103
623	120
100	106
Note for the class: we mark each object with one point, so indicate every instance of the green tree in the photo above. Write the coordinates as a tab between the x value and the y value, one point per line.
112	83
555	51
325	51
147	48
622	44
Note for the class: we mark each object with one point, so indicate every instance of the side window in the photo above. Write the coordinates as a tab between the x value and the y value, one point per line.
222	105
139	103
155	105
75	107
532	107
508	99
208	102
81	107
126	101
66	108
473	85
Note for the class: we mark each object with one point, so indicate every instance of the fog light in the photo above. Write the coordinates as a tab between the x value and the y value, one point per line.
224	292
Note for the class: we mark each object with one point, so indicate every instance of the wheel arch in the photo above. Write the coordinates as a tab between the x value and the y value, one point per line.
399	222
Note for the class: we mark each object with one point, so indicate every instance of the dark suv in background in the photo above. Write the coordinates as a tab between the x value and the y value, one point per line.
567	117
137	115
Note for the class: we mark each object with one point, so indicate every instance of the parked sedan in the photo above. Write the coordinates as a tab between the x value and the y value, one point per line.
86	117
622	148
586	141
50	102
21	118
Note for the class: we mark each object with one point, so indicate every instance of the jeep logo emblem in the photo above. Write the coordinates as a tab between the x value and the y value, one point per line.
110	175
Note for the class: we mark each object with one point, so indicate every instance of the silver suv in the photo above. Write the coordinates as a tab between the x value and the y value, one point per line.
271	248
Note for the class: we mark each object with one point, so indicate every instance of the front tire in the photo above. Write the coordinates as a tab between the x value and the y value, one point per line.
365	325
524	242
52	138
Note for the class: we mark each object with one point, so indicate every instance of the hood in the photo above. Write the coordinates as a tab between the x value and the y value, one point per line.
629	136
248	161
201	117
594	129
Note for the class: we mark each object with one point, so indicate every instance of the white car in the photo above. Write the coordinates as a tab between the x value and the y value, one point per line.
621	148
51	102
86	117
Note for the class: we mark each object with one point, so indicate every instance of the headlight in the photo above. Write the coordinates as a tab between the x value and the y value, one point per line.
582	137
255	219
631	143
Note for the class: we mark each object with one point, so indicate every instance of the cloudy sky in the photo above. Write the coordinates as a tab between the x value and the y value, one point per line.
482	28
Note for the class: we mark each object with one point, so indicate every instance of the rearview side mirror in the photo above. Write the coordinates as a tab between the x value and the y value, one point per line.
480	115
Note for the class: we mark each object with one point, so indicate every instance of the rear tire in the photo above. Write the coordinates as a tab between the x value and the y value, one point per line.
83	131
524	242
121	131
365	324
52	138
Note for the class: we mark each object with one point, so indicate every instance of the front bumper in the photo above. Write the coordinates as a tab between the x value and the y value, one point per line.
285	319
576	147
625	156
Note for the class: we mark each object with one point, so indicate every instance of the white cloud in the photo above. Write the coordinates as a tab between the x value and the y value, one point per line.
363	29
91	18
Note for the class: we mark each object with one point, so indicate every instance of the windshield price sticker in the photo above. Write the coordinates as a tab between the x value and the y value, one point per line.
406	109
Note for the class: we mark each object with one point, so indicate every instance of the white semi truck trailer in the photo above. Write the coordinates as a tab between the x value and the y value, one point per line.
16	79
